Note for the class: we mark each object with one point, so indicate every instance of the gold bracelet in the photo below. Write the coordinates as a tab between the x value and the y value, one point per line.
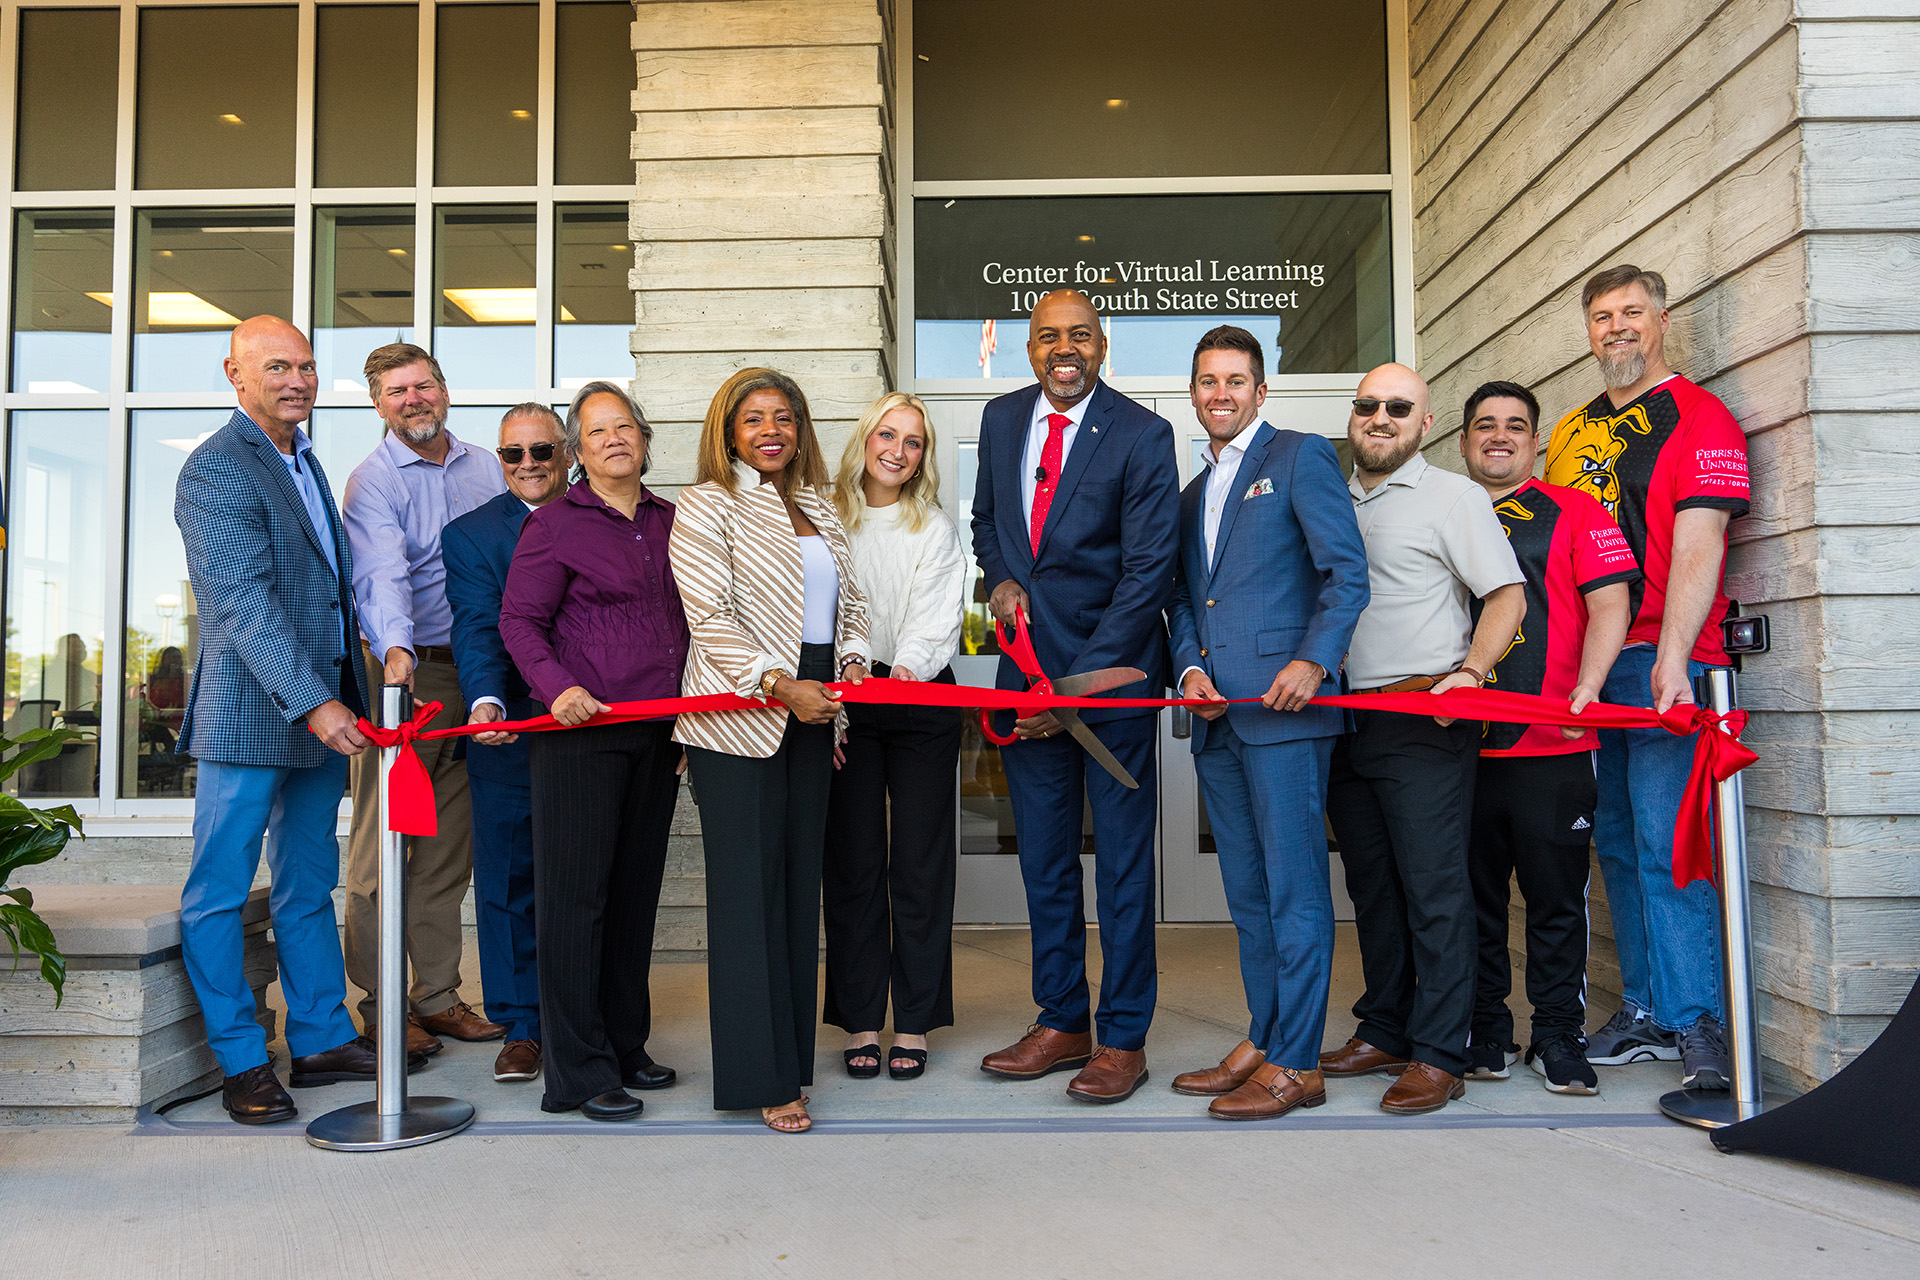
771	677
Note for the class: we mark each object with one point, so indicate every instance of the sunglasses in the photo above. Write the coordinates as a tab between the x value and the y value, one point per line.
1366	407
512	453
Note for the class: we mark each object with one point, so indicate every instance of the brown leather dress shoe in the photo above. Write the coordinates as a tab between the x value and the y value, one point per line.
355	1060
1422	1088
255	1097
1233	1071
1040	1052
419	1039
1111	1075
1269	1092
461	1023
1358	1058
518	1060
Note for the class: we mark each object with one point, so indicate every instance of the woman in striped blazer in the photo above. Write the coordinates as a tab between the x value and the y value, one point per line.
767	580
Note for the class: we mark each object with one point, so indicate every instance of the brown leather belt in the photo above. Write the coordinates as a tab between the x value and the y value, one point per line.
1412	684
423	652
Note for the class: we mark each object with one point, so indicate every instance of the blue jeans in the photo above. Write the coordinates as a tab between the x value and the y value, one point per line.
236	805
1668	938
1266	804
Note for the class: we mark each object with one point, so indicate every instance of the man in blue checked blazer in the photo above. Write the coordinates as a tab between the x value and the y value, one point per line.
1273	577
477	549
271	720
1073	522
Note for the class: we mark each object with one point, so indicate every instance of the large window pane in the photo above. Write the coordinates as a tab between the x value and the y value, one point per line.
483	266
1149	88
594	302
365	95
69	78
62	292
593	94
342	439
56	591
485	92
1309	275
196	274
362	288
163	622
216	97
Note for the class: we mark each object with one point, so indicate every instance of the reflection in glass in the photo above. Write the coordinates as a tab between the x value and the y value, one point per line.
68	99
1144	94
1309	274
362	288
163	621
483	293
63	268
594	302
365	86
56	591
216	97
485	94
342	439
196	274
593	93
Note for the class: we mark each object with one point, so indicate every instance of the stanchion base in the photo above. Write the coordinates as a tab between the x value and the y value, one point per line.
362	1128
1707	1108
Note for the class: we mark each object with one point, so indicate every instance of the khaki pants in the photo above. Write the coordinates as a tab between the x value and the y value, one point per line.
438	868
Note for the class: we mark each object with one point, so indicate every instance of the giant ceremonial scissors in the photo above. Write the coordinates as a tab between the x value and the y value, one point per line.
1017	646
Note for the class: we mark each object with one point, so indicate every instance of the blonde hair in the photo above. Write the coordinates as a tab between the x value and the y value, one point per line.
715	463
918	495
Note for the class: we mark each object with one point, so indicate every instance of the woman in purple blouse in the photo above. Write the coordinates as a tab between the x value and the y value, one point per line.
591	616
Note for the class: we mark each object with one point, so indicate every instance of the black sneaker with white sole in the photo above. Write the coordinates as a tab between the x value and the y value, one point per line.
1489	1060
1703	1056
1631	1036
1561	1061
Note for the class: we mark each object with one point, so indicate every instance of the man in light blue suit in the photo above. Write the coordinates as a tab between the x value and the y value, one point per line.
271	720
1272	579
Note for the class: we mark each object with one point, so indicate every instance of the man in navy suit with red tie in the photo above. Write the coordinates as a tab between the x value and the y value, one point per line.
1075	522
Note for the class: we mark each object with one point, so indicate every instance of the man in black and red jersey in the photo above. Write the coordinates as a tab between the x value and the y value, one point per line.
1533	800
1670	464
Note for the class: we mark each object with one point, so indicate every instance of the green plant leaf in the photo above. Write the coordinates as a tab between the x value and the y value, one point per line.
26	930
29	846
34	744
23	896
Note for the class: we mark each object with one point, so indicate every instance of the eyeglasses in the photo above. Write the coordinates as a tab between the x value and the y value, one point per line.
1366	407
512	453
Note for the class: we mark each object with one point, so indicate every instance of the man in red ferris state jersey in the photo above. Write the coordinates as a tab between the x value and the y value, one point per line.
1533	799
1670	464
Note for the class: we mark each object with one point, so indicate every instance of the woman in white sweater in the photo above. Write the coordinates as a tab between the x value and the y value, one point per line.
908	560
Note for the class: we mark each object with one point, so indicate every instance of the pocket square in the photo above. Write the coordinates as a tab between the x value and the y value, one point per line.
1257	488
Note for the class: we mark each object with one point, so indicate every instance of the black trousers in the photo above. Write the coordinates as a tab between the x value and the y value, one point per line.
602	806
1532	820
1400	798
901	871
764	825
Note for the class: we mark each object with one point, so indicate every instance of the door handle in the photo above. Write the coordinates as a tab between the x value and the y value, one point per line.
1182	722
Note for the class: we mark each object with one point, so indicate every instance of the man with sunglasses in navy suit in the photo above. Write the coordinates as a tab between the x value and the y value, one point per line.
478	549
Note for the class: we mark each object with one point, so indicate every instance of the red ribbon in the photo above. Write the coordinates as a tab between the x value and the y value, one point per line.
1718	753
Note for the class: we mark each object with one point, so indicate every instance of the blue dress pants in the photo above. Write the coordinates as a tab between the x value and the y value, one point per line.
503	903
1266	804
1051	782
235	807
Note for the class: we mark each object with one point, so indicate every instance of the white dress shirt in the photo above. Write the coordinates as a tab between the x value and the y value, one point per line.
1037	429
1220	474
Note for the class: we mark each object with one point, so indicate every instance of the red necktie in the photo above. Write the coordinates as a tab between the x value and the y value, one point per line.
1057	424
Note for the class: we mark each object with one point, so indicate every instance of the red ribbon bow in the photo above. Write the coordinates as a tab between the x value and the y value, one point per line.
410	805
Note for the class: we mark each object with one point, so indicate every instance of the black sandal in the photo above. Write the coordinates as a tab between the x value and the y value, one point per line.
863	1051
917	1056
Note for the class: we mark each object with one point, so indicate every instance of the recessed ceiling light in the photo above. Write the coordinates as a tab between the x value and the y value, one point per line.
230	118
1116	104
494	306
519	114
186	310
398	253
618	248
1084	239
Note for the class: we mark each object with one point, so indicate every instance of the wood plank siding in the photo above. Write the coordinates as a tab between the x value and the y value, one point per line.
1764	155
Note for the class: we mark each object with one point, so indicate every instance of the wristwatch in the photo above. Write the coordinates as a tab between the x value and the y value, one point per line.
771	677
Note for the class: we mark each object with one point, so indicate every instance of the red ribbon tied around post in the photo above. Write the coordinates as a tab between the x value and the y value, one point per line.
1718	753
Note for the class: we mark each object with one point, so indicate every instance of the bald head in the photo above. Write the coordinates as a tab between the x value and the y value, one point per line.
1066	346
1390	420
271	368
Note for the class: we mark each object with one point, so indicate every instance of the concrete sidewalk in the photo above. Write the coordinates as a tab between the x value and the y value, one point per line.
955	1173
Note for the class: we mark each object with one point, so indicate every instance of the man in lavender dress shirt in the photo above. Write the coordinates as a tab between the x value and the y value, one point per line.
417	479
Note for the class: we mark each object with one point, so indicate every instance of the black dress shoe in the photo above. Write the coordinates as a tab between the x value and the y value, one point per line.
651	1076
614	1104
354	1060
255	1097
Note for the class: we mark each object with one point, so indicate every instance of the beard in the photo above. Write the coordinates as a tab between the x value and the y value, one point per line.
1384	459
1066	389
1624	369
415	433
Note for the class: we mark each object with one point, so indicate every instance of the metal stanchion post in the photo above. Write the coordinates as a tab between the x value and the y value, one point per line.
392	1119
1712	1108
